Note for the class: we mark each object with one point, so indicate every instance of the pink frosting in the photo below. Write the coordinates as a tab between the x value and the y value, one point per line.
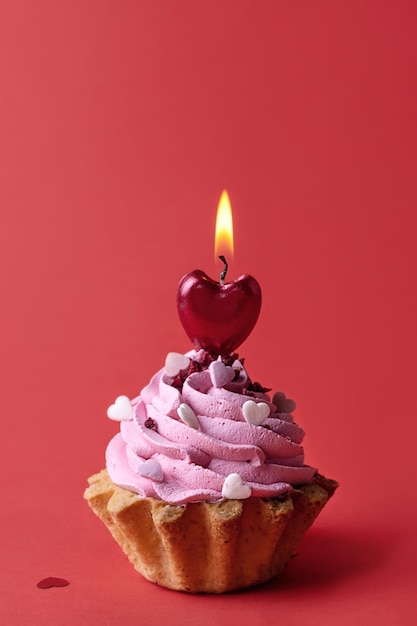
195	462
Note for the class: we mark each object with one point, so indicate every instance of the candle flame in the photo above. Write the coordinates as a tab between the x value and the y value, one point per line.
224	228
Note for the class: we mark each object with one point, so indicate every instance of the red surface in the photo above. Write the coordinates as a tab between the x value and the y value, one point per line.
121	122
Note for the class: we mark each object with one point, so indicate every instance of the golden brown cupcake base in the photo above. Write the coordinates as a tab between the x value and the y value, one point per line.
208	547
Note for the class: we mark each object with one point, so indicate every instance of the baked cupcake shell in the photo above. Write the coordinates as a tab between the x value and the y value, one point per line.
204	547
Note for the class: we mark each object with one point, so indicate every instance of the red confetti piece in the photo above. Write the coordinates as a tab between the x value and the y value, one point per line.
52	581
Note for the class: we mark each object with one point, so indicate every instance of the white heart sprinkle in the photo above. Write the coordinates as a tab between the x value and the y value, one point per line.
121	410
255	412
235	489
188	416
176	363
220	373
151	469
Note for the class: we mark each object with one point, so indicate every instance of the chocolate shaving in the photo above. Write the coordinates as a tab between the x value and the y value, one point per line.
195	366
177	382
205	358
258	388
231	358
248	392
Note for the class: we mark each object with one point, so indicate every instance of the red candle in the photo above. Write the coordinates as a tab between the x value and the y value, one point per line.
218	316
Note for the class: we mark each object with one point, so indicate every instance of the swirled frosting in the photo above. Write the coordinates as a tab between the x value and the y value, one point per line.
160	454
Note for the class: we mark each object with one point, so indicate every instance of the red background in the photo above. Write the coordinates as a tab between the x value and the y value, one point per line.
121	122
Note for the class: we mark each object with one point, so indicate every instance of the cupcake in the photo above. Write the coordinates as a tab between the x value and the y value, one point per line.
205	487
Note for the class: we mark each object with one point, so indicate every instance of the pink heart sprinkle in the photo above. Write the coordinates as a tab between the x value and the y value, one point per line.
188	416
52	581
121	410
176	363
283	404
151	469
220	373
255	413
235	489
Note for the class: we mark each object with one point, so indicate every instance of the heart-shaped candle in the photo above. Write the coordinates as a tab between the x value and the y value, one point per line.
219	316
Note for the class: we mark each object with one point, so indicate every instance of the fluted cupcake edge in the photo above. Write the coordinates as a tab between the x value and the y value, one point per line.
206	547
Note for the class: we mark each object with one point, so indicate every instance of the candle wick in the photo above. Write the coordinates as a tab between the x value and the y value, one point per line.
224	270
